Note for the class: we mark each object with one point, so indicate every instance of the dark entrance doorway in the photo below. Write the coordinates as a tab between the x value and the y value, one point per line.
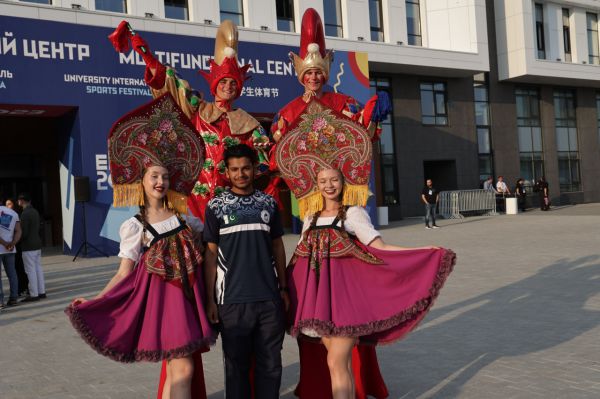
443	174
29	162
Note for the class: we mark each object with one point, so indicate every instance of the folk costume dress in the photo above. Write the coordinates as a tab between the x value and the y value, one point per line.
219	126
342	287
314	373
157	312
339	286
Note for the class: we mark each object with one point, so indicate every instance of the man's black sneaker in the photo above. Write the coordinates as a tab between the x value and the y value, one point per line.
11	302
42	296
31	299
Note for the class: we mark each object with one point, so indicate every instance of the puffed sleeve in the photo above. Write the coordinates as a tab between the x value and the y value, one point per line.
305	226
187	98
131	233
359	223
195	223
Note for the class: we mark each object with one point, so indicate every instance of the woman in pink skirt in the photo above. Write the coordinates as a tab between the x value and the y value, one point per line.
153	308
346	285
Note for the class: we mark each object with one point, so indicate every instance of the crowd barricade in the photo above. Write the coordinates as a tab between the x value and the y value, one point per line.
461	203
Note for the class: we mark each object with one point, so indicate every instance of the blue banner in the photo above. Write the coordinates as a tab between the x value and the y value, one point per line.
47	63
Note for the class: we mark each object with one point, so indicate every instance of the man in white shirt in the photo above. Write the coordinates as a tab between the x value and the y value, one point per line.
10	234
501	187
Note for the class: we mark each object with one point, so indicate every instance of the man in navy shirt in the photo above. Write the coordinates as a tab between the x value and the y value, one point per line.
246	284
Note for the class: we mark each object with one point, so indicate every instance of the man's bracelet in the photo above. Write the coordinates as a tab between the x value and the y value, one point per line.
284	289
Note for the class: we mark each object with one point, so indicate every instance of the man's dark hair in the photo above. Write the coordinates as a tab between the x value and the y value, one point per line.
239	151
25	197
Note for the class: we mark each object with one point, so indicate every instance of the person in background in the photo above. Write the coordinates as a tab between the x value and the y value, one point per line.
544	193
502	187
19	267
10	234
521	193
489	184
31	245
430	197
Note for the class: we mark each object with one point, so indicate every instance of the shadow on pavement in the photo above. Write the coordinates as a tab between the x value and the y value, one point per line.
533	314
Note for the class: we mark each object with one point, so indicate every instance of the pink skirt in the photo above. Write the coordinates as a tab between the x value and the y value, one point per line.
377	303
144	318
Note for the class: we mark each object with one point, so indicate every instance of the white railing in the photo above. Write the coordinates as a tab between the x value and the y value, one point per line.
455	204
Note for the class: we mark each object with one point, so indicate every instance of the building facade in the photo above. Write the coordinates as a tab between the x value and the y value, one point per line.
479	87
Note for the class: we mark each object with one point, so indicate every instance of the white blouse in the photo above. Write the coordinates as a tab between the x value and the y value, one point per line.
357	223
131	232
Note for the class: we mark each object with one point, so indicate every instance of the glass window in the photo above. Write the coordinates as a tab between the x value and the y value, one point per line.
481	113
285	15
413	22
332	10
592	36
539	31
536	137
482	123
566	33
433	104
566	140
112	5
486	167
525	139
598	115
529	134
176	9
376	19
483	140
480	91
528	108
233	10
388	172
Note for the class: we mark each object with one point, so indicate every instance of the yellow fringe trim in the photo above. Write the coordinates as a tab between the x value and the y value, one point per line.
132	195
127	194
353	195
178	201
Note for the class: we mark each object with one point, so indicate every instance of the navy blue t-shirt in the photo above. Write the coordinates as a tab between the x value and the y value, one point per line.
244	227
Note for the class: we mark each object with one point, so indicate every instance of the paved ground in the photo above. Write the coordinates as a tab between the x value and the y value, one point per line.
518	318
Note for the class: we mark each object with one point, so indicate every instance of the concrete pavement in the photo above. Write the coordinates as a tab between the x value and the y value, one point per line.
518	318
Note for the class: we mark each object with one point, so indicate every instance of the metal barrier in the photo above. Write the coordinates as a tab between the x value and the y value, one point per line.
455	204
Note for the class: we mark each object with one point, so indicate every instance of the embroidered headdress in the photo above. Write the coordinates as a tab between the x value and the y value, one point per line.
225	64
312	47
321	138
156	134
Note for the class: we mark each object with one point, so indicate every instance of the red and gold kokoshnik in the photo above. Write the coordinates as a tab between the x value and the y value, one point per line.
156	134
322	138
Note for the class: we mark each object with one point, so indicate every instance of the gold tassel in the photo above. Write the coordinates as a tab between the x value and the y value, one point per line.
133	195
127	195
142	200
310	204
353	196
177	201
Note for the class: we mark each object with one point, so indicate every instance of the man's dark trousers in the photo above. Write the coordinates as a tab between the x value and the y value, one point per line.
252	329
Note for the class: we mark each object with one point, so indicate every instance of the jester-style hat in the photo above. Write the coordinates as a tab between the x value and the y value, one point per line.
319	139
312	47
156	134
225	64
